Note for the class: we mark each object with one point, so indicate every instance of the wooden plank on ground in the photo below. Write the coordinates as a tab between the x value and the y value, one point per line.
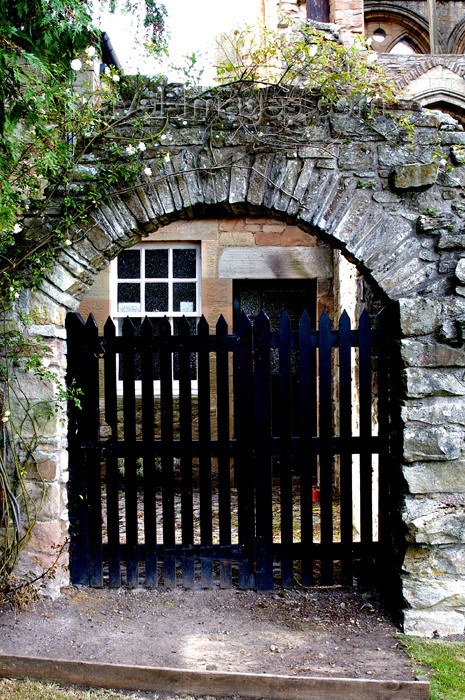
246	685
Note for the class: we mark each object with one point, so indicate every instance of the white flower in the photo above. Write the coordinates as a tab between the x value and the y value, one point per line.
12	289
142	146
16	295
7	413
76	64
167	158
184	123
17	228
163	137
5	419
148	171
115	77
90	51
130	150
68	242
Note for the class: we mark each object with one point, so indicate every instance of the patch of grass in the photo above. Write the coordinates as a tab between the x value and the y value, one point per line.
446	661
34	690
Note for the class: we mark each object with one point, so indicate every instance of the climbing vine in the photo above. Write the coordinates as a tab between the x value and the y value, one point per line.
54	109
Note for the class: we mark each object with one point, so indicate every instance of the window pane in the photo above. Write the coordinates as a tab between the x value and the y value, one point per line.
156	263
129	297
184	260
184	294
129	264
156	296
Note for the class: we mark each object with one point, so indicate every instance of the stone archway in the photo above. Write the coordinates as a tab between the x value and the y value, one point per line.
382	199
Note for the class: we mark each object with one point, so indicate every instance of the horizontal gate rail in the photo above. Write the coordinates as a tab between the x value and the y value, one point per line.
337	445
209	446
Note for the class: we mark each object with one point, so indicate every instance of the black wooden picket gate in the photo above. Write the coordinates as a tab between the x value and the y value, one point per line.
228	495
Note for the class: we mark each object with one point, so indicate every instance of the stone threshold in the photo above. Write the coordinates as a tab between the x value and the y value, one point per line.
173	680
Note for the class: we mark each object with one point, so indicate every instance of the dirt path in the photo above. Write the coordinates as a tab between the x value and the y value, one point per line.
312	632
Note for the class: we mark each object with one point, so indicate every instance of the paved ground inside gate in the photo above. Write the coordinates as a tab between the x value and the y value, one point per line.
328	632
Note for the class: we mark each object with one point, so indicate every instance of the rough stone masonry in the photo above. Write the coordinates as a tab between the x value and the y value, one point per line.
371	187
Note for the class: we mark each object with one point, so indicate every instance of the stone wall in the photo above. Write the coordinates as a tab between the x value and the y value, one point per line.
391	207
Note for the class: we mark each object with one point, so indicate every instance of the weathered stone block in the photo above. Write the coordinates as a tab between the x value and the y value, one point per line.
430	224
432	443
323	151
460	270
239	238
459	208
436	477
444	593
429	382
276	263
417	176
435	411
425	623
53	501
446	560
385	197
449	241
419	316
435	521
355	157
457	154
46	534
390	155
449	138
348	126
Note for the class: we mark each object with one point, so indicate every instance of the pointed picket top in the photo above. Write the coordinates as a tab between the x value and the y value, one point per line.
344	321
365	320
222	326
128	330
262	321
284	322
165	328
202	327
183	327
305	321
325	321
91	324
109	330
91	333
244	324
74	321
146	329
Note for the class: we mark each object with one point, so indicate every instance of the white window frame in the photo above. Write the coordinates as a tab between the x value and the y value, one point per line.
116	315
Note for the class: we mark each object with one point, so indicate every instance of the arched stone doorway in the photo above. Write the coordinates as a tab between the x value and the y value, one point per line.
395	212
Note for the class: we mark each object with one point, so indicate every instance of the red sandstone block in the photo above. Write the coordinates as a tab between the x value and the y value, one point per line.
267	239
292	235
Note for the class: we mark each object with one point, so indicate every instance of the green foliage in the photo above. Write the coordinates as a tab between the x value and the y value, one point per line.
304	57
50	119
446	661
